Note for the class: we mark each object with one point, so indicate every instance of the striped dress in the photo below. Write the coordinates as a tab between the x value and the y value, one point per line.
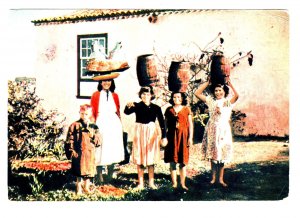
147	135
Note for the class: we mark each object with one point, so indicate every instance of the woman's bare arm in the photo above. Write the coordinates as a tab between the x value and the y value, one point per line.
199	92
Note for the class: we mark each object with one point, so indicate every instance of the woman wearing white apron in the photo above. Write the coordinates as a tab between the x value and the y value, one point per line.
106	112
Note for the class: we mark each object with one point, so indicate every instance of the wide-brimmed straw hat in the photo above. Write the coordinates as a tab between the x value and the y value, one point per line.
106	76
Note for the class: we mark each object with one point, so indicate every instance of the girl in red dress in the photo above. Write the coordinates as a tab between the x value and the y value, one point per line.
180	136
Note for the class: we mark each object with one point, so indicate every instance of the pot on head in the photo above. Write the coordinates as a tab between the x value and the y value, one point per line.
179	76
146	69
219	70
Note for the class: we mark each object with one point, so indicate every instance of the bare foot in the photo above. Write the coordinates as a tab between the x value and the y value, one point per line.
85	188
212	182
79	192
79	189
184	187
174	185
152	186
223	184
139	187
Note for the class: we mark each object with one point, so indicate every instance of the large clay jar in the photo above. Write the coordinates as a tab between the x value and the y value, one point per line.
179	76
220	69
146	69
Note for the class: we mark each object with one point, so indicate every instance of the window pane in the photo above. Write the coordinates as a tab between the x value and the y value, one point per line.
89	43
84	62
83	53
84	73
83	44
102	42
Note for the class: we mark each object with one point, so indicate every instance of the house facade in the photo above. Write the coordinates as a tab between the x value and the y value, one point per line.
63	43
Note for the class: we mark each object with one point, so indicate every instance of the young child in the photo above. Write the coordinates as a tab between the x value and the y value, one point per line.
83	136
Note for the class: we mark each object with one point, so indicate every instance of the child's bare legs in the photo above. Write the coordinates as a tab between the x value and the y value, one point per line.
140	171
86	185
151	177
221	175
182	172
218	168
213	172
79	183
173	174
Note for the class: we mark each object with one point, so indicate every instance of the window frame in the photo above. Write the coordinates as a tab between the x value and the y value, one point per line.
87	81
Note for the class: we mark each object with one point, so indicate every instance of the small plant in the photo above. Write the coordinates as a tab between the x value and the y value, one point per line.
238	122
35	185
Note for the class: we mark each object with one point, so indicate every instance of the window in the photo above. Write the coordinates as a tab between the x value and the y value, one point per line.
84	49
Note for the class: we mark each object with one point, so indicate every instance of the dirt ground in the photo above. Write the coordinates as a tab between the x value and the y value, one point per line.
245	152
259	171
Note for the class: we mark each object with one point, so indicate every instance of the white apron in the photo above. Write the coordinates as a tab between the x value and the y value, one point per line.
110	127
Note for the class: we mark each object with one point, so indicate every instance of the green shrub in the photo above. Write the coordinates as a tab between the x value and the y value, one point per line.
32	130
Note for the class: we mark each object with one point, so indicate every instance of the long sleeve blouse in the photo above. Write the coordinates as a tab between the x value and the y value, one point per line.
146	114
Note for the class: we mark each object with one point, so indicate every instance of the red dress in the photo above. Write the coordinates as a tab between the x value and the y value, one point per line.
177	124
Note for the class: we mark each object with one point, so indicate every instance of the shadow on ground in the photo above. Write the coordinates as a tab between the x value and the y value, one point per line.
246	181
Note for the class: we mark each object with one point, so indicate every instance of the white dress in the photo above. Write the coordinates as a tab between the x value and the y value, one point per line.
110	127
217	139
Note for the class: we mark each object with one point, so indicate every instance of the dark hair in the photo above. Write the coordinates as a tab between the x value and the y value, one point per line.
183	96
224	87
147	89
216	73
111	88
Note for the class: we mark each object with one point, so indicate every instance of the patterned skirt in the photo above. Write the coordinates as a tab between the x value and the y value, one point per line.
146	144
217	142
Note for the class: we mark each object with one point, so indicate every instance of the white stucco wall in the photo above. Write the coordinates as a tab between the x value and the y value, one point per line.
263	87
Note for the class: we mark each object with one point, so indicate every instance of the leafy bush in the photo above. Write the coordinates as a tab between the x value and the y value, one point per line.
32	130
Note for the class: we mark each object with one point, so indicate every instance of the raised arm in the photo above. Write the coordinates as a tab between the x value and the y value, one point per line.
129	108
236	95
199	92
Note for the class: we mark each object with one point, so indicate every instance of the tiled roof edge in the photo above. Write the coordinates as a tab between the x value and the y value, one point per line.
84	16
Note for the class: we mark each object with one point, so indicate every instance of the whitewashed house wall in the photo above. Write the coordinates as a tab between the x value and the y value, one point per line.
263	87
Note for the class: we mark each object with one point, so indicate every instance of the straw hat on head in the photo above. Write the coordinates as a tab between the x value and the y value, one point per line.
106	76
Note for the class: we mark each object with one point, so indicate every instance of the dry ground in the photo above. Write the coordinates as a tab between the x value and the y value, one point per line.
259	171
243	152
